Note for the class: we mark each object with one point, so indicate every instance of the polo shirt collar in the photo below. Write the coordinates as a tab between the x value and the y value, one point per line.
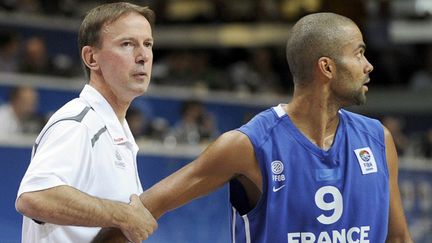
119	133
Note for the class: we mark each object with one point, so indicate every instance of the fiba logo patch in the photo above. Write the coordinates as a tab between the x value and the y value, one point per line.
366	160
277	167
364	155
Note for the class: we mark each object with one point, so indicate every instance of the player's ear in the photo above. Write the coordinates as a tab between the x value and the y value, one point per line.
89	57
326	67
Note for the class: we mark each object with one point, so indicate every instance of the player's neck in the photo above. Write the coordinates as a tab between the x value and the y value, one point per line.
315	119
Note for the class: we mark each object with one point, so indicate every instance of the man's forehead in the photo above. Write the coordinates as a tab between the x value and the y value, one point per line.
107	26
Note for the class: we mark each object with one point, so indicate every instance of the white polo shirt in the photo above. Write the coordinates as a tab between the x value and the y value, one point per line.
85	146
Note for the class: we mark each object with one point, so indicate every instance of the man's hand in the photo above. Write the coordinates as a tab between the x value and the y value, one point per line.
138	226
141	224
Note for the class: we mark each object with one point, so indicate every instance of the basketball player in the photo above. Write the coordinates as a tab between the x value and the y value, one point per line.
307	171
83	168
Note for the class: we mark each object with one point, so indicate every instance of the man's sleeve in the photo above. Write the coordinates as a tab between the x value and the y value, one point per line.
62	157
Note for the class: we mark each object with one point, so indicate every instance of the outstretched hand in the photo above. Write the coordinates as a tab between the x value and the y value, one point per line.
139	226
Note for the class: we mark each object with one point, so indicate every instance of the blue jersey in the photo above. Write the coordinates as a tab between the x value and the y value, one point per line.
313	195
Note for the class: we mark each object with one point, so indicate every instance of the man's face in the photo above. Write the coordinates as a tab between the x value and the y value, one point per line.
125	56
25	104
352	70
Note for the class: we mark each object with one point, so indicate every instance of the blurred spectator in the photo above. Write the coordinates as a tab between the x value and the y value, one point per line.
59	7
9	50
262	64
268	10
18	116
422	78
35	57
196	124
26	6
159	128
144	126
203	75
424	190
138	123
407	190
395	126
256	74
425	146
174	69
36	60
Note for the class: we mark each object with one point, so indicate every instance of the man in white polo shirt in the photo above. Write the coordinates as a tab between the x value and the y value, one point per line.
83	169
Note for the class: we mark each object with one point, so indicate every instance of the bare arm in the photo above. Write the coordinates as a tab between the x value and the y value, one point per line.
229	156
65	205
398	228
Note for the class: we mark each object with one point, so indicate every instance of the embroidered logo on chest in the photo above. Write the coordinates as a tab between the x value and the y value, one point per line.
366	160
277	168
119	162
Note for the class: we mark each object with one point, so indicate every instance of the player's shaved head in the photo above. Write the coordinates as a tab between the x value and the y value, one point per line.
314	36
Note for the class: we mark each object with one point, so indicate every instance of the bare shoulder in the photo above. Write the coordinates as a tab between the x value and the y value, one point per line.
232	145
234	140
387	134
234	150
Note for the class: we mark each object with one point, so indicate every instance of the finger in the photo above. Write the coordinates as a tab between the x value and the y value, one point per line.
145	236
135	240
131	237
154	224
149	231
134	198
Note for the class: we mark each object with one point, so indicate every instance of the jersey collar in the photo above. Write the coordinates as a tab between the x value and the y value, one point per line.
120	133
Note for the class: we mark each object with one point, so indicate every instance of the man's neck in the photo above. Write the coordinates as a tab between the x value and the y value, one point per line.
315	118
117	104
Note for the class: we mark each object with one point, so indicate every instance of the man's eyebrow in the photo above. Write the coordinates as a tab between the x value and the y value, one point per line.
132	38
362	46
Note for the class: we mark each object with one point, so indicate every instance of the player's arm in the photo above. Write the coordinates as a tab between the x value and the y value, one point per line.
65	205
398	228
231	155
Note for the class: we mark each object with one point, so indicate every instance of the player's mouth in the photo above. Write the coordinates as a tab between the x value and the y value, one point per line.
365	86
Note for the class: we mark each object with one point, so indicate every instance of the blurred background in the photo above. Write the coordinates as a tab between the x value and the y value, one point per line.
216	64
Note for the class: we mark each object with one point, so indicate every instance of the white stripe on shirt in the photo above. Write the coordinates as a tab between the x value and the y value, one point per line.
247	229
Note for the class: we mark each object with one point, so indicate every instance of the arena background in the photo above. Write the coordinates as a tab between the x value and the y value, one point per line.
229	56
